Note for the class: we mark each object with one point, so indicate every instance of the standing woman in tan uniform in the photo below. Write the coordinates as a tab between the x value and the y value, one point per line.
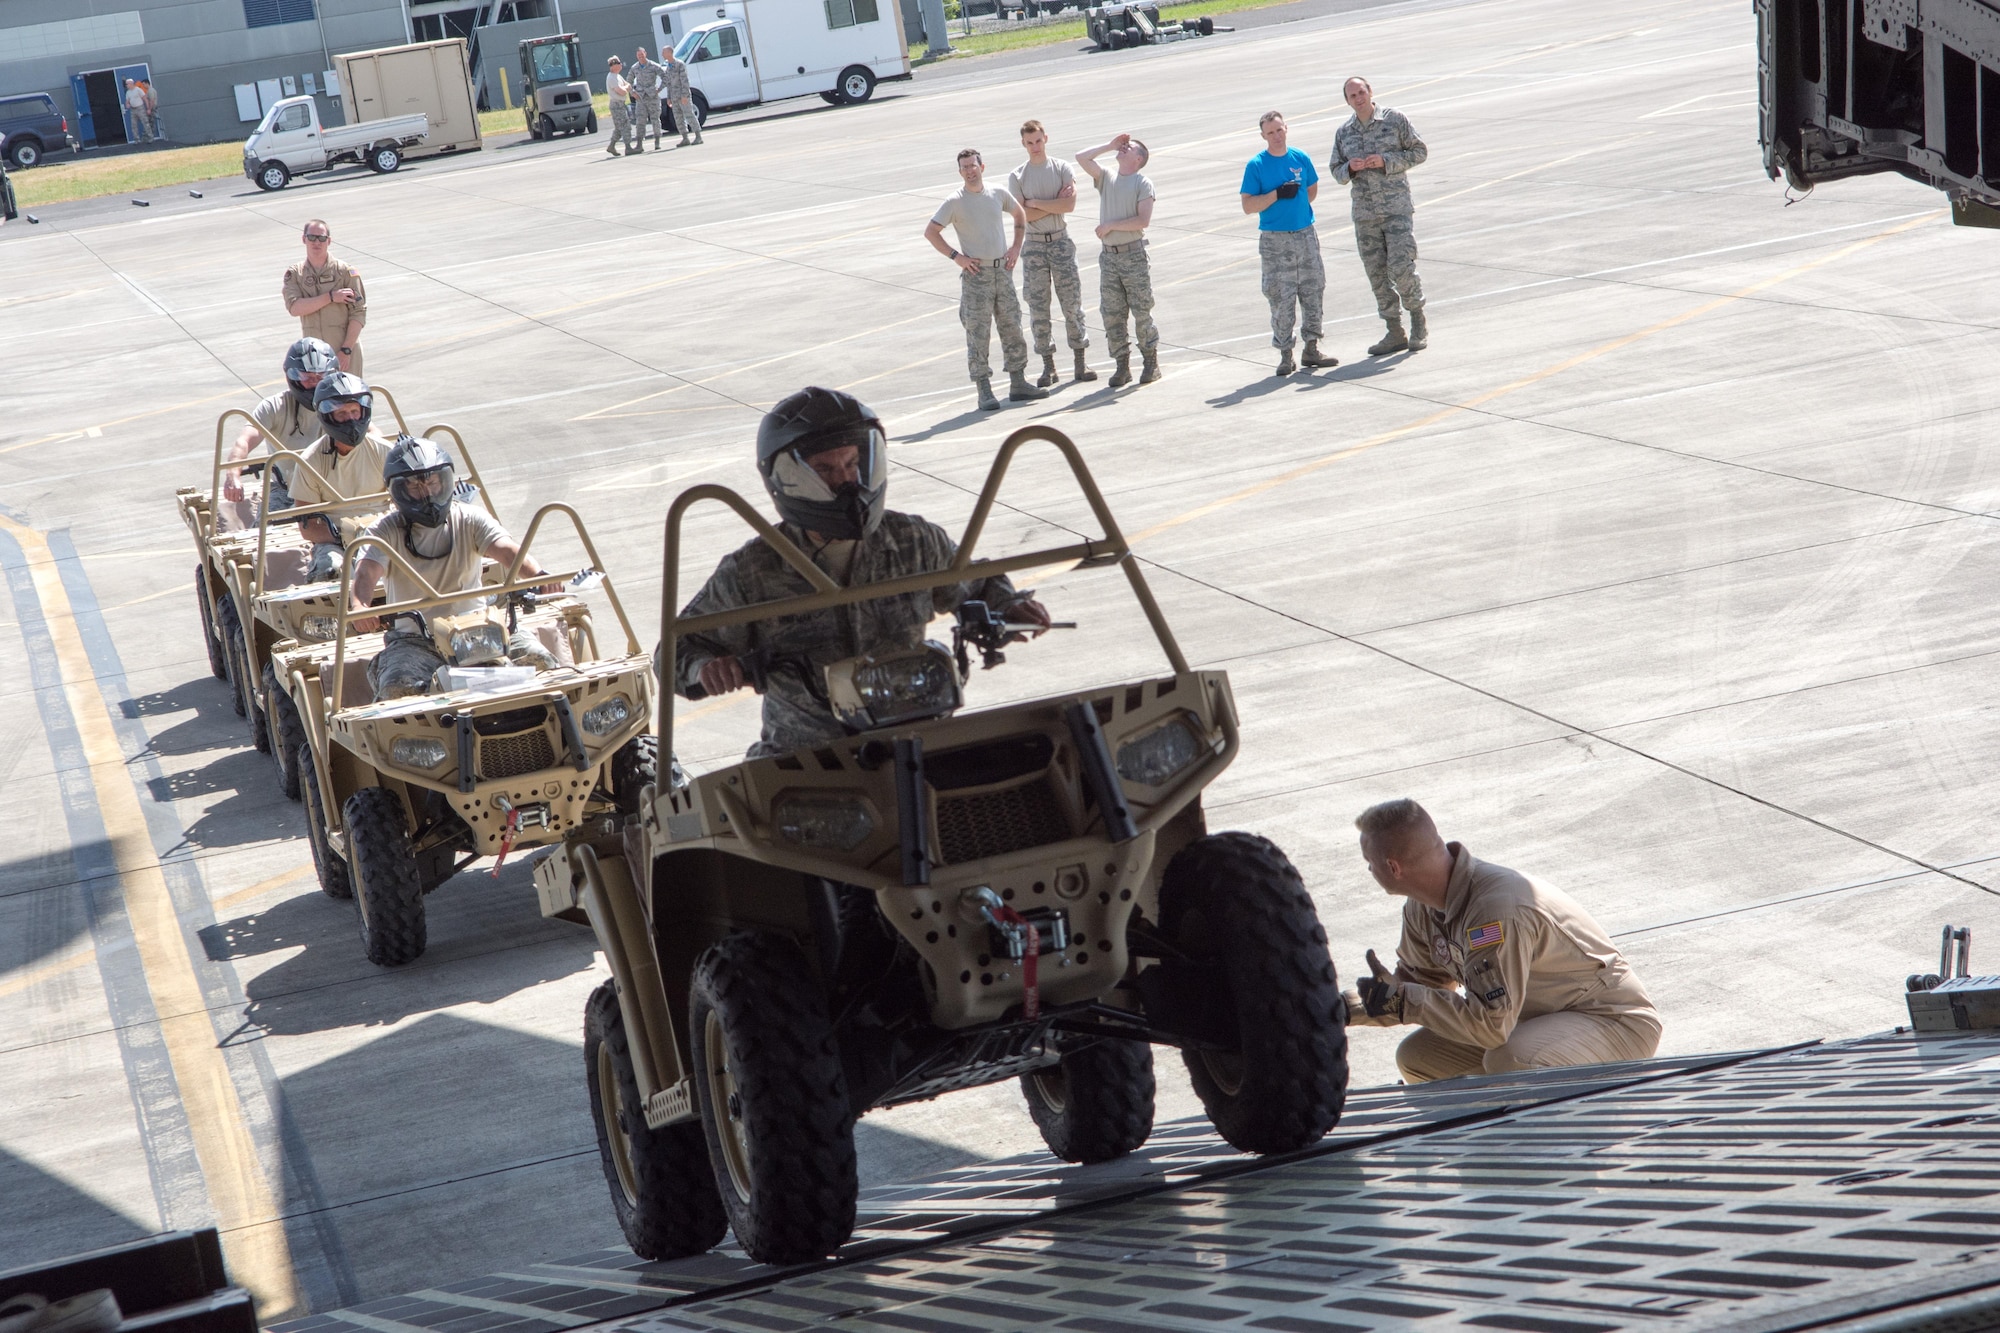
327	298
1499	972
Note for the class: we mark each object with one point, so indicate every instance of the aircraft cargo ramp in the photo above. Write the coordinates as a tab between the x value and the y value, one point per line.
1849	1185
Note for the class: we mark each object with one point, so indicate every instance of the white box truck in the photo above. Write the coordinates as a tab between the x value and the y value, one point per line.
743	52
434	78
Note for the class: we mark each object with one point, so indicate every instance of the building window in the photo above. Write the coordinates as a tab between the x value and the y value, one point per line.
268	13
847	13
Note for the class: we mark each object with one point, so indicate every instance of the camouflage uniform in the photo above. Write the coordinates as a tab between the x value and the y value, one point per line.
1292	274
680	100
1125	286
1384	215
753	573
984	299
647	78
619	94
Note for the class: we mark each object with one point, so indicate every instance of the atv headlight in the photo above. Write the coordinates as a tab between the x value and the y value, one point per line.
608	716
829	822
417	752
478	645
881	690
1153	758
318	629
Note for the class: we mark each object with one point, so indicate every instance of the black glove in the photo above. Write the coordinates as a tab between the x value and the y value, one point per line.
1289	190
1380	995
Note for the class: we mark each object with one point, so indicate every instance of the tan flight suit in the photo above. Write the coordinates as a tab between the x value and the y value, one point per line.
329	322
1513	975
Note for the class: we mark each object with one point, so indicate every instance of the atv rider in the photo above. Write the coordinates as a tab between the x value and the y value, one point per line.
287	414
350	457
444	539
823	456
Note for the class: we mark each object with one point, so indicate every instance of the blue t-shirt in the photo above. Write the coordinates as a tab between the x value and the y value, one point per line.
1266	173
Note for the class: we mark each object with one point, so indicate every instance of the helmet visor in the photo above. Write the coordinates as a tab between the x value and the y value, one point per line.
859	459
423	492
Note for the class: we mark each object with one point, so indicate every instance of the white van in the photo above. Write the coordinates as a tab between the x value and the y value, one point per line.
742	52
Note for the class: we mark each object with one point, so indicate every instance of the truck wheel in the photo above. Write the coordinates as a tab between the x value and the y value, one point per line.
636	764
25	151
857	84
273	176
334	880
773	1099
831	99
287	730
384	158
388	893
662	1187
1234	902
217	662
1206	25
1097	1104
700	109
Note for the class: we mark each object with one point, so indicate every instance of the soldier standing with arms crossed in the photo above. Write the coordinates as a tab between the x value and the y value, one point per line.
1046	190
647	79
327	298
680	99
1279	186
619	93
1374	152
986	277
1124	279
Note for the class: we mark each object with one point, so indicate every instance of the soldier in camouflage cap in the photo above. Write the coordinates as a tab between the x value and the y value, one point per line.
824	459
1374	152
648	79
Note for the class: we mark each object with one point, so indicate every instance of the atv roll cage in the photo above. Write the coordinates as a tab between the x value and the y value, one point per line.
432	599
1091	553
215	473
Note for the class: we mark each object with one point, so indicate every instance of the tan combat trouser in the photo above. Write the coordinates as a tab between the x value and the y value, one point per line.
987	298
1388	249
1547	1042
1125	287
1048	259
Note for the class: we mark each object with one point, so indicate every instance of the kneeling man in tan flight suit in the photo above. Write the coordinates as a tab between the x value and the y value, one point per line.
1500	972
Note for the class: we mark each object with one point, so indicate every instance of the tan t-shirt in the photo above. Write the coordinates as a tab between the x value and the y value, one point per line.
448	568
1039	184
296	426
357	473
1118	198
1518	949
980	220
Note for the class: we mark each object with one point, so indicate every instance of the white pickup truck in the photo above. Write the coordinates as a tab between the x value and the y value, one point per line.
290	141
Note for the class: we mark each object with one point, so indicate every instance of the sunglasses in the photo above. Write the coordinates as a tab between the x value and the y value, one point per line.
311	237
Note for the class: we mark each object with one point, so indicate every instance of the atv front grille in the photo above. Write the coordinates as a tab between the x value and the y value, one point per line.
995	822
511	756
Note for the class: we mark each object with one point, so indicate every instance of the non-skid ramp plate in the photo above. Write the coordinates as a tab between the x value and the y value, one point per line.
992	1197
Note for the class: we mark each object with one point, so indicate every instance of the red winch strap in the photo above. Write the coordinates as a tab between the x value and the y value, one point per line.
1031	996
512	826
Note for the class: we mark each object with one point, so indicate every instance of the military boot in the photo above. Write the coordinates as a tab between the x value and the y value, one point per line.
1123	375
1152	370
1314	357
987	402
1420	333
1392	341
1083	371
1049	375
1019	390
1285	363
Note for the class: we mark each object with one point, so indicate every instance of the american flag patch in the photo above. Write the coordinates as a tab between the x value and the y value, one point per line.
1481	936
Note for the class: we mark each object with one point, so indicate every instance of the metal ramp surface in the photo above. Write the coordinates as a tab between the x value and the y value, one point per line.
993	1197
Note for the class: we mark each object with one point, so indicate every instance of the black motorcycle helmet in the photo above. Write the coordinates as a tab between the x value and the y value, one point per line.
420	479
308	356
810	422
335	389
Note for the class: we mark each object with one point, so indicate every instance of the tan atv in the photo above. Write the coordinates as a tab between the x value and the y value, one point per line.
403	794
939	900
239	557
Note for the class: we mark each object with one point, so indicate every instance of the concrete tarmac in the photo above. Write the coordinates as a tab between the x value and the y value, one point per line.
1658	575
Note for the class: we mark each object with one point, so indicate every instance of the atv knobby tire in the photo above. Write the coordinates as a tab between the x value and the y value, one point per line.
244	675
773	1099
287	729
388	892
334	880
231	632
1234	901
662	1186
634	767
1097	1103
217	662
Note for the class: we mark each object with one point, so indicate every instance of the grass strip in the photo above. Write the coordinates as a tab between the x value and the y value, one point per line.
1015	38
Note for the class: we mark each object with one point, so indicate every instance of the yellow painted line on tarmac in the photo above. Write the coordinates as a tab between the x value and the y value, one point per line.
17	982
149	597
264	886
239	1191
1539	166
1547	372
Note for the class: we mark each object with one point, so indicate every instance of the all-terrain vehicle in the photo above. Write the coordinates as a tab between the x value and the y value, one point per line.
937	901
1114	27
403	794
